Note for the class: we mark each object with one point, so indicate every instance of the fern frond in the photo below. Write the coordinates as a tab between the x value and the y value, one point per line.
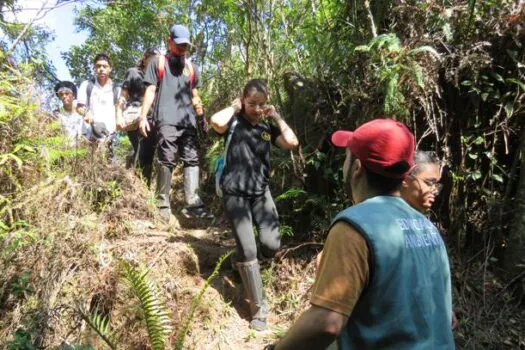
100	324
158	322
425	49
181	335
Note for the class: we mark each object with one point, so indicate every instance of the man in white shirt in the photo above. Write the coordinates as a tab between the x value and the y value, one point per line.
97	102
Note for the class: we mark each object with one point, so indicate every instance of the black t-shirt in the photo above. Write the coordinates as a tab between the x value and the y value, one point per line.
134	84
174	102
247	171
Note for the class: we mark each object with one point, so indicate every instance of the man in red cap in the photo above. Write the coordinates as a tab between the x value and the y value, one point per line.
384	276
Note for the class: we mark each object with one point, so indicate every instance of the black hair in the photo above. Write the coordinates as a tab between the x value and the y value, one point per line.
141	64
66	84
257	85
382	184
422	158
102	57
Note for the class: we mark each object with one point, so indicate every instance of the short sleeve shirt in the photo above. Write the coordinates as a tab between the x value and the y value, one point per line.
343	271
101	103
247	171
174	105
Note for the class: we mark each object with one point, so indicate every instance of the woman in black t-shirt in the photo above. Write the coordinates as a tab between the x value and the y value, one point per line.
132	95
254	125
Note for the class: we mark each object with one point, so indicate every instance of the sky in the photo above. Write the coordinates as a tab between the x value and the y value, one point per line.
60	22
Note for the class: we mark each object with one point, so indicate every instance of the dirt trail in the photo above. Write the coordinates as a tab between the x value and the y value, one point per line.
182	259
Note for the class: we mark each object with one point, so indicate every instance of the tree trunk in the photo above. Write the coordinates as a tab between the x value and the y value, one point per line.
515	250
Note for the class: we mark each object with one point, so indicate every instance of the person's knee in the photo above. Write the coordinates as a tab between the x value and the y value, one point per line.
248	253
270	243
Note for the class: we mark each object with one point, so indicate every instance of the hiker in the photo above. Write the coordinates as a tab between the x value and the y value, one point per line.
72	122
177	106
97	100
421	187
245	185
128	112
384	277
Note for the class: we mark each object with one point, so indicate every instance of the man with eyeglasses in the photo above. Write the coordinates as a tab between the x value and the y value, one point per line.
177	107
384	276
421	186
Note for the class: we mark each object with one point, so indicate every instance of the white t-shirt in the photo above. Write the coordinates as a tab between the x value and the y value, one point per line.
101	104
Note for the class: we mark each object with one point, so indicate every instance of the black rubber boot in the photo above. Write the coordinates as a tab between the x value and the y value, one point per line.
146	174
163	192
251	279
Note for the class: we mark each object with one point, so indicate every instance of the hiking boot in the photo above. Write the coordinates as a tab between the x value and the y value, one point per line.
163	192
251	279
196	213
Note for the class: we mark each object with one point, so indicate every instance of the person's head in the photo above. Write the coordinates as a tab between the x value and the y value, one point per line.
179	40
66	91
146	57
102	67
421	186
254	97
379	155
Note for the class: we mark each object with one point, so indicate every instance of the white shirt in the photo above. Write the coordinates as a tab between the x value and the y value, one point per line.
101	104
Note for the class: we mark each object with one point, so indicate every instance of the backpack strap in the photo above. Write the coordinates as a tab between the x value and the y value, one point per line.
116	94
229	138
161	68
89	90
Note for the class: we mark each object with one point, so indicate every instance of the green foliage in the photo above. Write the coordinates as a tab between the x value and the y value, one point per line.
154	310
183	330
100	324
22	340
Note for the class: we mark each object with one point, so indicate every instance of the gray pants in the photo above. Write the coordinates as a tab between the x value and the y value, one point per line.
244	213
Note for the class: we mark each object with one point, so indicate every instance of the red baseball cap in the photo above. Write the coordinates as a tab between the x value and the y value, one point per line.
384	146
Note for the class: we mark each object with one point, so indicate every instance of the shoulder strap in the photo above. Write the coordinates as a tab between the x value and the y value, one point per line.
161	67
88	91
229	138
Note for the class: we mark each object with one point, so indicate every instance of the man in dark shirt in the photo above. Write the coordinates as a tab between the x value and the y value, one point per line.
177	106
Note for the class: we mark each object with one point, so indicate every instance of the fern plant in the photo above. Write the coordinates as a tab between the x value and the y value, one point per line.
100	324
395	67
181	335
155	312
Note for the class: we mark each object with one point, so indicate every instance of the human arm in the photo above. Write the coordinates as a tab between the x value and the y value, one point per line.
220	120
287	139
120	107
341	278
149	96
197	102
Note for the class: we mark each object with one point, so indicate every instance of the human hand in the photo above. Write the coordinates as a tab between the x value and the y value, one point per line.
271	112
237	105
120	124
144	127
197	105
88	119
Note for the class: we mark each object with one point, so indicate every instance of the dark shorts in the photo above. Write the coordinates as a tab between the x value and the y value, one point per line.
176	143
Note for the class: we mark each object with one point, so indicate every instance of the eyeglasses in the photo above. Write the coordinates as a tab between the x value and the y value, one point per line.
432	184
